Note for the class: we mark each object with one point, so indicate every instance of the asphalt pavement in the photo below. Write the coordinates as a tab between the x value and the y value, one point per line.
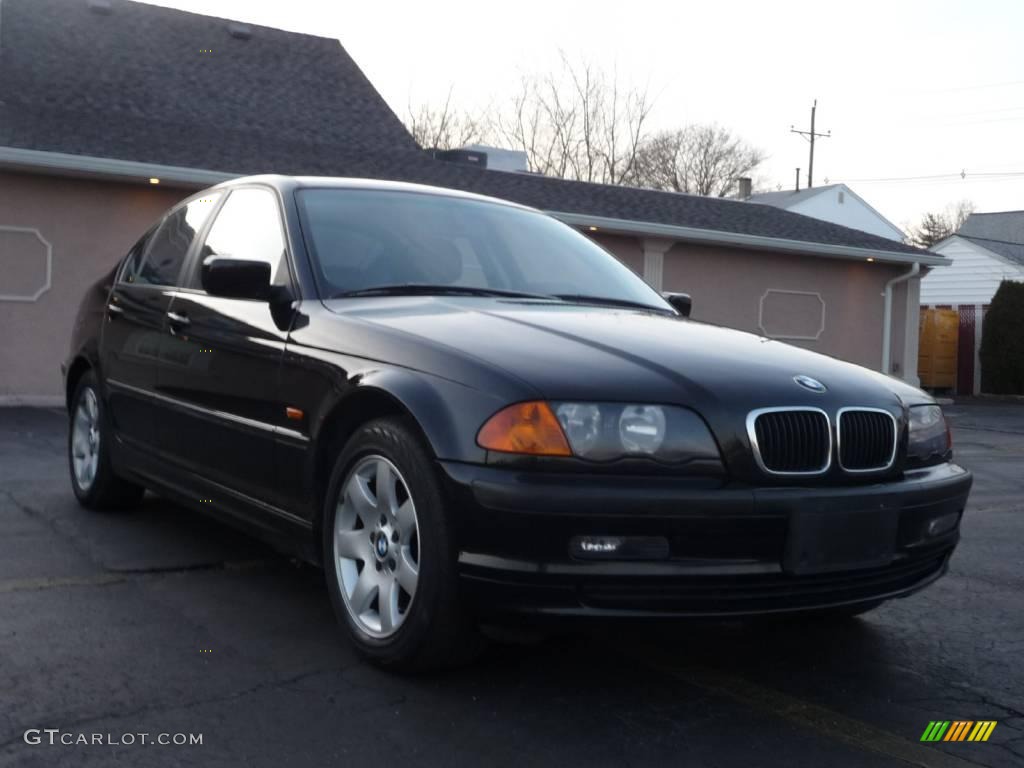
161	622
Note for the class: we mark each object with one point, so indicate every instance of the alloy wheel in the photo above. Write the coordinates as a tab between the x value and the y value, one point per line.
85	439
376	546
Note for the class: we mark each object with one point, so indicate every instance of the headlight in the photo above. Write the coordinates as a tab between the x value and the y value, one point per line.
642	428
929	435
609	431
599	432
581	424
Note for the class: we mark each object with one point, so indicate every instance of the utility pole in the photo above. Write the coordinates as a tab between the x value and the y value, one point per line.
811	136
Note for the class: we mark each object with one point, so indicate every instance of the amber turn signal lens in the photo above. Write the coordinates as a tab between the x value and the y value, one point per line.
529	428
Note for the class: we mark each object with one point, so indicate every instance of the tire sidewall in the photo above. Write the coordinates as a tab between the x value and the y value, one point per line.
87	497
395	441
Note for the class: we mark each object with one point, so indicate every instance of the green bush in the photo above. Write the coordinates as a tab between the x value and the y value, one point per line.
1002	342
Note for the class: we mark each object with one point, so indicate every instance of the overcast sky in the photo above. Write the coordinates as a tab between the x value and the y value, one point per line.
908	88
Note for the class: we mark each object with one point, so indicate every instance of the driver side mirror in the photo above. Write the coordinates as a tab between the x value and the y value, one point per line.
235	278
680	302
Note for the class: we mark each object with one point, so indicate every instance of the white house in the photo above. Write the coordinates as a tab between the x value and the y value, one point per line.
836	203
986	250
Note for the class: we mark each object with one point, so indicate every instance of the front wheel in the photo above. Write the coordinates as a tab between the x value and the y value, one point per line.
389	552
93	479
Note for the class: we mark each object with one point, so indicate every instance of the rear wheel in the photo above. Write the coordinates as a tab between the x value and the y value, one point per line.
93	479
389	553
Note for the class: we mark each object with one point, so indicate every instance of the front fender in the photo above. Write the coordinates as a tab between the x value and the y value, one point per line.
449	414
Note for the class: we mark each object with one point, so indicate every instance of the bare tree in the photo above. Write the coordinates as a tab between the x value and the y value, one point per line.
444	128
698	159
959	211
936	227
578	122
582	122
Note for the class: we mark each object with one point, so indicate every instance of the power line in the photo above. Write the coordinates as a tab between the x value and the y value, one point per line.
980	122
1005	84
811	135
963	175
956	115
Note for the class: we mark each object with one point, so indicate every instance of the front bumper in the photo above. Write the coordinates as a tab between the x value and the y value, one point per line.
723	551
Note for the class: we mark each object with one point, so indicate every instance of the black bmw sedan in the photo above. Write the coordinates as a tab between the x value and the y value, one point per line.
465	409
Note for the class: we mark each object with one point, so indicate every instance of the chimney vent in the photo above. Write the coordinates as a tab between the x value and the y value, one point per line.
239	31
102	7
746	187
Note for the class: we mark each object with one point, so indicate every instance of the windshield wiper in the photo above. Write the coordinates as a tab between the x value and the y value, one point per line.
426	289
608	301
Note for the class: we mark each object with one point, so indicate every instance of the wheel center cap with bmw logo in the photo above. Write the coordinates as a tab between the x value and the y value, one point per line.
382	546
808	383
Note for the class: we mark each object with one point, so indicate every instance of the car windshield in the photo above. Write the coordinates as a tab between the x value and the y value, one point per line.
378	242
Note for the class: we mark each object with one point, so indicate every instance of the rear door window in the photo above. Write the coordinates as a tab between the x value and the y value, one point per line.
169	245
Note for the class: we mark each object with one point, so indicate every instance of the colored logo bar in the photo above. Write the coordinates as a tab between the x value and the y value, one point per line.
958	730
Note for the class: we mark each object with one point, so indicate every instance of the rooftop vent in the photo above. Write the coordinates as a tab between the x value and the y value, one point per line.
102	7
499	159
239	31
461	156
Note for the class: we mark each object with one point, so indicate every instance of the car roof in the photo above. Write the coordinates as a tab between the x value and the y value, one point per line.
290	183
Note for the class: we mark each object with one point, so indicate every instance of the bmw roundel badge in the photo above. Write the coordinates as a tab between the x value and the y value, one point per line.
808	383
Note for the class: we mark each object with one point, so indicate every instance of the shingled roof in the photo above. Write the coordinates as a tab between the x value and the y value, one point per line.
1010	251
152	84
134	82
1004	226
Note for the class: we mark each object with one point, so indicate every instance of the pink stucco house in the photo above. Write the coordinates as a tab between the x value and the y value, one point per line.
112	110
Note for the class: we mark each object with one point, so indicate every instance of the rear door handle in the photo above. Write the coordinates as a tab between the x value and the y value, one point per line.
115	310
178	320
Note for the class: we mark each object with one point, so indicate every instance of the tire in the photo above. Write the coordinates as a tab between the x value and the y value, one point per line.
427	627
93	479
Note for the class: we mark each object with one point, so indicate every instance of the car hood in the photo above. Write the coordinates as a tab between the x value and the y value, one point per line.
573	352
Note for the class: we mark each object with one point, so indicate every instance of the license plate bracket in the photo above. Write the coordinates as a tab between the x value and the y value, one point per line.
821	540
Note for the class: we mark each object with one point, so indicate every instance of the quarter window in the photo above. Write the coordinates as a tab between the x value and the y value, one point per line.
132	262
169	245
247	227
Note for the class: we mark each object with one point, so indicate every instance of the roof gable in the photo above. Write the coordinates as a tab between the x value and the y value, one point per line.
805	200
1011	252
787	198
144	82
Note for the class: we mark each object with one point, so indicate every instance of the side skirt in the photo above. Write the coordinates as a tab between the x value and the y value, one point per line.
286	532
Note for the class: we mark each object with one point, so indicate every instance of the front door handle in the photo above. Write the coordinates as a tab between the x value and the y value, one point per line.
178	320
